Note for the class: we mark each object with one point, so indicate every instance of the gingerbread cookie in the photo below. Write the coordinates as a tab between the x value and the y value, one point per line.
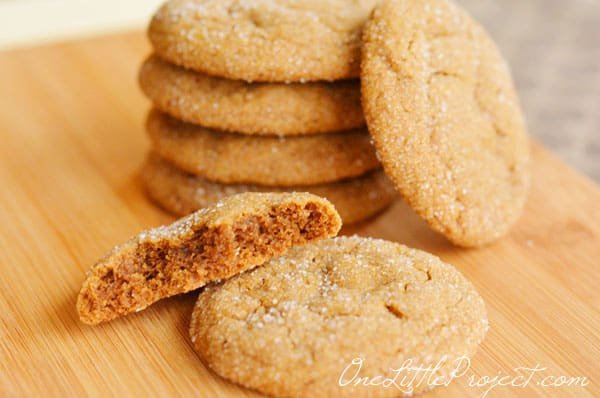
296	326
252	108
263	40
445	118
236	234
181	193
273	161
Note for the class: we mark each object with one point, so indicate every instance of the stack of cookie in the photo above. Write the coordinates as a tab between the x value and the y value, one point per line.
259	96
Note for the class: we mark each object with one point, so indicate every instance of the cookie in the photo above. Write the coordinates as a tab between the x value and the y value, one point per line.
252	108
445	118
236	234
263	40
273	161
292	327
181	193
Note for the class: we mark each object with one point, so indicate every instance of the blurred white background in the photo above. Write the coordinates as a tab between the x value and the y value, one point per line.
24	22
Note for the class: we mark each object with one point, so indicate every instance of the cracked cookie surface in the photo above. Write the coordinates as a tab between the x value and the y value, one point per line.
445	118
181	193
290	328
236	234
271	161
263	40
252	108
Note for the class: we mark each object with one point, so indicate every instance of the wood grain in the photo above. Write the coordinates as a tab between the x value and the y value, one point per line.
71	144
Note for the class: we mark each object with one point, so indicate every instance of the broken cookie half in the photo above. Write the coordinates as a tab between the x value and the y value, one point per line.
237	234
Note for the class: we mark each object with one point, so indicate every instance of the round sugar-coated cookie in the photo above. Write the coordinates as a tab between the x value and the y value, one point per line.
272	161
252	108
263	40
310	322
181	193
445	118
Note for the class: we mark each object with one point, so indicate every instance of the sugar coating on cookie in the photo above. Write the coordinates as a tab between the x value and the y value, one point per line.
236	234
181	193
445	118
263	40
291	327
272	161
252	108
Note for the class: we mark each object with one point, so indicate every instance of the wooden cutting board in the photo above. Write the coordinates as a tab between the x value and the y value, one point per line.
71	143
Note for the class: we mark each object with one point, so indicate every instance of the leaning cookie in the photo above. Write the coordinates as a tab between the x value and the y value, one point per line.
252	108
445	118
272	161
317	320
264	40
236	234
181	193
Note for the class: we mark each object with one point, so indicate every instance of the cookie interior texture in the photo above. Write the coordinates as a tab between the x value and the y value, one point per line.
445	118
291	327
181	193
263	40
252	108
236	234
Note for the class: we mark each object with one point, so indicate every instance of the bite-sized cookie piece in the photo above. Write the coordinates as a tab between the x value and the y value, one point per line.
272	161
445	118
181	193
326	313
238	233
263	40
252	108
